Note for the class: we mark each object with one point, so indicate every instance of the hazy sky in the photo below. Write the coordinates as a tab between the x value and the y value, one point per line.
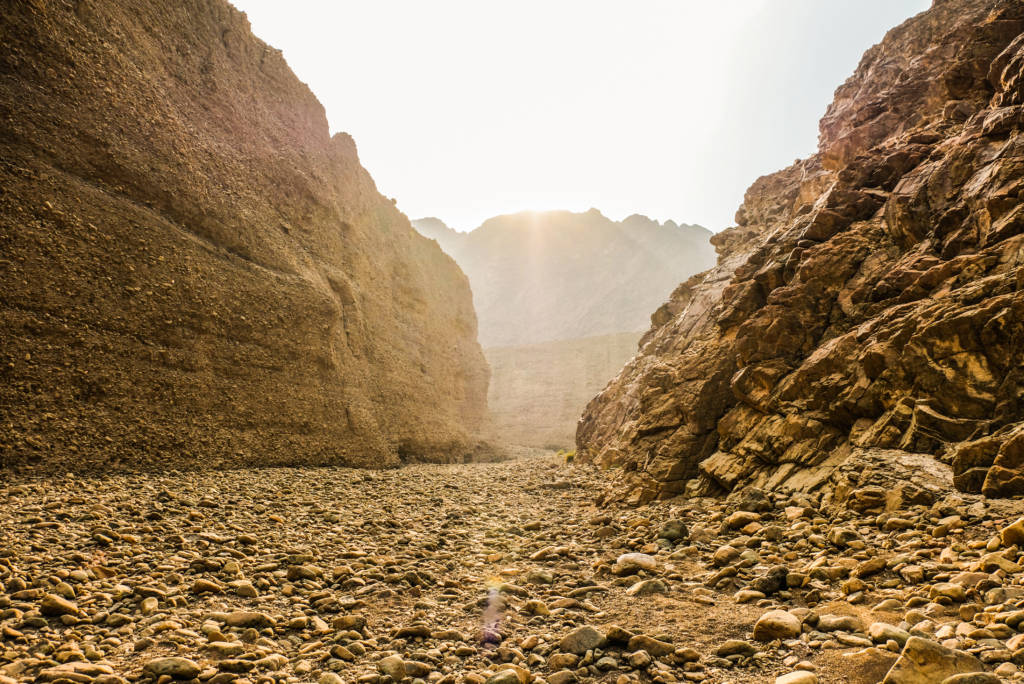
464	109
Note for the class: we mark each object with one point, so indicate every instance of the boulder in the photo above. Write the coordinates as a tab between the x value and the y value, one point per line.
925	662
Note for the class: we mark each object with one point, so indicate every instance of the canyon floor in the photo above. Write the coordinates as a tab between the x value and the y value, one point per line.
501	572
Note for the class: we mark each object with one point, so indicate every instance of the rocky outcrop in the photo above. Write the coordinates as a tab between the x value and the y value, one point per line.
194	272
538	391
871	297
559	275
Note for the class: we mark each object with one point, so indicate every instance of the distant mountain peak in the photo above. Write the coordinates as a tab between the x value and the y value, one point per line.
539	276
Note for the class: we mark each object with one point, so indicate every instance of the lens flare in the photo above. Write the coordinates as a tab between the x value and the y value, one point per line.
490	634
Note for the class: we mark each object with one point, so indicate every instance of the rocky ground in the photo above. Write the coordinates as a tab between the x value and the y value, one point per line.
501	572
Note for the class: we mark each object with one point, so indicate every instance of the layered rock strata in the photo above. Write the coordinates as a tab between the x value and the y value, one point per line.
871	297
195	272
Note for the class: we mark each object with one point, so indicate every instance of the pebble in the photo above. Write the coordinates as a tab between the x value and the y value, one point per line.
798	677
581	640
178	668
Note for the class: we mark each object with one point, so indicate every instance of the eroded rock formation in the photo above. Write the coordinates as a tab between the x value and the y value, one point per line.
194	272
870	299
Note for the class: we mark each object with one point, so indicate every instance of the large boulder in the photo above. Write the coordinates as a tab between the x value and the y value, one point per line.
926	662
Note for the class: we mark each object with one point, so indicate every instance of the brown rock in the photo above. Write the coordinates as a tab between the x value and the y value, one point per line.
924	662
239	291
776	624
54	605
855	311
1013	534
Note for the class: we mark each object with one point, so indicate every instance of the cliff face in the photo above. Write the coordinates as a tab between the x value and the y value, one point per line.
559	275
194	272
871	300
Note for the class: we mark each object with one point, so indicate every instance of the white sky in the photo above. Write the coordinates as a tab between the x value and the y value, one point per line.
465	109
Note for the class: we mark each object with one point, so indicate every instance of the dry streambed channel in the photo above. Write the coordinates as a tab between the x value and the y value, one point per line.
505	573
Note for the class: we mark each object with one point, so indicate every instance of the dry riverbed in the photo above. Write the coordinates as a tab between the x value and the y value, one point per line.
503	572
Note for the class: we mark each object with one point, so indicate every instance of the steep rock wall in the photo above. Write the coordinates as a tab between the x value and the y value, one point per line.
871	297
194	272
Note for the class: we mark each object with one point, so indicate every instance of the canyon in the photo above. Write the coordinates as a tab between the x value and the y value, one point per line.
563	298
243	404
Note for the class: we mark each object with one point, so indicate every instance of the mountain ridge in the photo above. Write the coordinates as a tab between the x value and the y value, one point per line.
558	275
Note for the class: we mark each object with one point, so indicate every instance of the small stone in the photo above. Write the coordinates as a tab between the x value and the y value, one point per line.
741	519
647	588
953	592
725	555
415	668
562	661
503	677
776	624
748	596
202	586
392	666
798	677
176	667
882	632
244	618
735	647
842	536
581	640
836	623
632	563
297	573
1013	535
657	648
562	677
56	606
674	530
